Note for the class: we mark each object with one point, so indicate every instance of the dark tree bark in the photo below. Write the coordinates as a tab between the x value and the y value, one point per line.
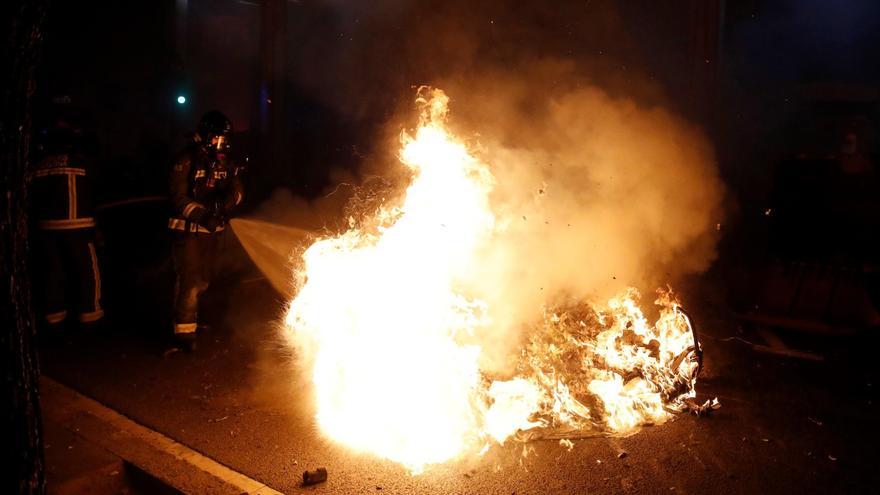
22	427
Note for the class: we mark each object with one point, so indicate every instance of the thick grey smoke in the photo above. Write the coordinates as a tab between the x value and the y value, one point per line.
594	193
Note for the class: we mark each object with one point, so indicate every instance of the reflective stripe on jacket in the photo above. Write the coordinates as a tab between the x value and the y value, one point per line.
184	226
61	193
201	186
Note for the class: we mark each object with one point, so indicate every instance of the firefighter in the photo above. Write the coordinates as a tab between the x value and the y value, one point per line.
63	210
205	186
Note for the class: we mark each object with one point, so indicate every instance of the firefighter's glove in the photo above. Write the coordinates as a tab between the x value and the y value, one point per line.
232	200
229	204
211	223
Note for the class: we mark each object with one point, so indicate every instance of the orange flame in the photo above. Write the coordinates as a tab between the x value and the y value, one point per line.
381	319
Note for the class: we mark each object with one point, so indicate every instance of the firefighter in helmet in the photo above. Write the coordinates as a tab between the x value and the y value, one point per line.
205	186
63	210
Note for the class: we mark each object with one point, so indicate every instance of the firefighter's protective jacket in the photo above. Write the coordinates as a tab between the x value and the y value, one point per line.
62	192
63	208
202	186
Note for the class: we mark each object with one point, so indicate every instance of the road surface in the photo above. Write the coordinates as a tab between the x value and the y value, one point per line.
786	425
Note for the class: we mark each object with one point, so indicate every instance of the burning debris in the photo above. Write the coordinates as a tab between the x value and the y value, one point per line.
703	409
609	371
393	334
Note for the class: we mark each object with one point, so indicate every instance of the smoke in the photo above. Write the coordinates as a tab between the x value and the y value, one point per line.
593	193
599	185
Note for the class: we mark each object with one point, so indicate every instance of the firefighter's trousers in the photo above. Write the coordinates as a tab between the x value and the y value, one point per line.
194	261
66	259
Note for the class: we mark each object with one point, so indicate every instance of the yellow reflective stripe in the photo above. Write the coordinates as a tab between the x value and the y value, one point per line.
90	317
56	317
180	224
190	208
43	172
71	196
185	327
96	273
70	223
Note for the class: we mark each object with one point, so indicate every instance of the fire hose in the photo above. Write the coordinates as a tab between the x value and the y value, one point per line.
130	201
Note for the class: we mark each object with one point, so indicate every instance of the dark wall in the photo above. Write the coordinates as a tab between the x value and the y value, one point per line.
797	77
349	65
796	73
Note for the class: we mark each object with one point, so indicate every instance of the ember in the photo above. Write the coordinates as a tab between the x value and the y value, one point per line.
391	332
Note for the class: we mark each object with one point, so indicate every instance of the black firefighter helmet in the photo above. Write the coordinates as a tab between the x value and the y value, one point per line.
214	131
61	129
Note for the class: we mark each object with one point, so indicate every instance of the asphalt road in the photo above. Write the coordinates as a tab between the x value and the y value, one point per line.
785	426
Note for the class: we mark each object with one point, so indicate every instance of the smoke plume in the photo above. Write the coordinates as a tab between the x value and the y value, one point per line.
594	193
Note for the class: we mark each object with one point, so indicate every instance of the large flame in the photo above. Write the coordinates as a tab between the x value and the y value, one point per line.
390	334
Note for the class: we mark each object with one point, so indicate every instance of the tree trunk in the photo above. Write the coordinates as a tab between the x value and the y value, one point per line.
22	428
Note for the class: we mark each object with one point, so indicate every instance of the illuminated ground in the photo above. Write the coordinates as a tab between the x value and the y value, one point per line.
786	426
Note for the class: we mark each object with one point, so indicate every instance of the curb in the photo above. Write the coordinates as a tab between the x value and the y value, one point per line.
162	458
